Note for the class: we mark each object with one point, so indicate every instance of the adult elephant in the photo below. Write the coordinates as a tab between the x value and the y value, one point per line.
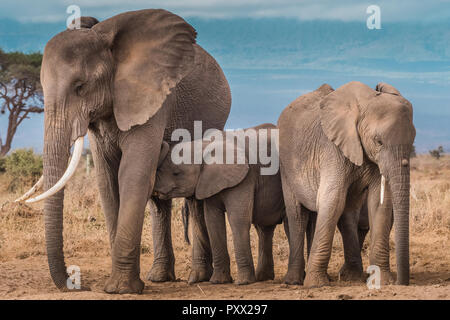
128	81
336	149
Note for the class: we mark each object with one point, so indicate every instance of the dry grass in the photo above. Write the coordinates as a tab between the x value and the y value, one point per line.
85	235
430	194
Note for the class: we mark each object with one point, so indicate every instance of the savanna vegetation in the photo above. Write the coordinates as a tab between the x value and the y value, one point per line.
24	272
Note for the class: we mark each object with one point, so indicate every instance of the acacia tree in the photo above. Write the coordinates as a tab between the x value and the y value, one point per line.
20	91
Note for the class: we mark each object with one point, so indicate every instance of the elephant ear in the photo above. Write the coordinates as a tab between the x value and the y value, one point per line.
215	177
339	113
387	88
152	50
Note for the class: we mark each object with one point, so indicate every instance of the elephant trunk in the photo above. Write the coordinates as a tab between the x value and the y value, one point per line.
399	183
56	155
400	199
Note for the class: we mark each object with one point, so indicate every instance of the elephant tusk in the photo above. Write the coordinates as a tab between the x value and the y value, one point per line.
32	190
383	185
76	156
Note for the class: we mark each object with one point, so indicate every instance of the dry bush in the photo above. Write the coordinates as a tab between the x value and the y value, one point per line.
430	194
22	232
21	235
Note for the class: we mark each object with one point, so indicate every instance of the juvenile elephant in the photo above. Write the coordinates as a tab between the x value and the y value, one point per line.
129	81
336	148
244	193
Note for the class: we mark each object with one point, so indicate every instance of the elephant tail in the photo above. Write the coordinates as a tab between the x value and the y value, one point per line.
185	216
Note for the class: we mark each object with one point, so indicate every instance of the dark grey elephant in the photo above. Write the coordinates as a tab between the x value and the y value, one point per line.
336	149
247	196
128	81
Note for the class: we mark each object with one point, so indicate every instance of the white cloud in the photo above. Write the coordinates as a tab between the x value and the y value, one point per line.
345	10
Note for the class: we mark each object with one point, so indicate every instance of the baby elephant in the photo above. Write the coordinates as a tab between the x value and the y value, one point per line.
239	189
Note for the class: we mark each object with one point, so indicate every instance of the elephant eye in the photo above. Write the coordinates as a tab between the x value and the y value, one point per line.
79	89
176	173
378	141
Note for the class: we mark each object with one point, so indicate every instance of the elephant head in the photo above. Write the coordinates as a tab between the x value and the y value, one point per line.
199	180
377	126
123	67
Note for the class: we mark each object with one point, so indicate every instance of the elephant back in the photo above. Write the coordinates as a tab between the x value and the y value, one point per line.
203	95
306	103
302	115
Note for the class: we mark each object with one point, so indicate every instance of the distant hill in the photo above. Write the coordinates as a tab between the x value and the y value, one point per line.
270	61
312	44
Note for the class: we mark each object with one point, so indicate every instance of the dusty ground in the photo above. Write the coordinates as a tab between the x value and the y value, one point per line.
24	272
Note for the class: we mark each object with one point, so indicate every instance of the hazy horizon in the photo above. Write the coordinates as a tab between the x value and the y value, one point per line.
270	59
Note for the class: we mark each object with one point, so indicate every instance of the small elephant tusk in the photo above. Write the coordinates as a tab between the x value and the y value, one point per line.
76	156
32	190
383	185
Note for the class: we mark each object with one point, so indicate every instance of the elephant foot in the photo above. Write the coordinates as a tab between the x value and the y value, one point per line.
294	276
245	277
221	276
161	273
316	279
265	274
387	278
200	274
124	283
352	273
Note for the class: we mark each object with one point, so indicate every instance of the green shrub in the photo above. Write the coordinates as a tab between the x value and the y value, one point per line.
24	166
437	153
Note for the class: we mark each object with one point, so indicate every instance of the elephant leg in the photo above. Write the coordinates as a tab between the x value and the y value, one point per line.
286	228
201	248
240	223
265	268
163	268
310	229
297	221
363	225
215	222
136	179
380	220
107	161
352	270
331	205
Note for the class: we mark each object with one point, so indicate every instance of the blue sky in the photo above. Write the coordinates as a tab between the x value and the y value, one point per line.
274	51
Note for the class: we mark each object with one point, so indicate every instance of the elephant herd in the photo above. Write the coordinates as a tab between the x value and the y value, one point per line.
131	80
